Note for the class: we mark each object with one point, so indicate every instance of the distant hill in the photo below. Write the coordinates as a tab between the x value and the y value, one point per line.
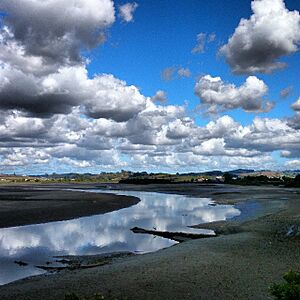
241	171
212	173
213	176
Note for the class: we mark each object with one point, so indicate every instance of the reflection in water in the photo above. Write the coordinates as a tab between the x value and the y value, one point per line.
110	232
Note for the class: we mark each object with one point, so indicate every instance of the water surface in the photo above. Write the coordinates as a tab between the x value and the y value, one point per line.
110	232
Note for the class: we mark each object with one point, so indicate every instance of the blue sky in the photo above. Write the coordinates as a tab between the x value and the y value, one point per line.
164	33
62	113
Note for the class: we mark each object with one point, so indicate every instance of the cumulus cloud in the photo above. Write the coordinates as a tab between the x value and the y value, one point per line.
189	161
257	43
158	136
217	95
23	157
54	115
267	135
75	163
112	98
217	147
80	156
56	31
179	128
294	121
57	93
42	71
18	126
150	126
127	10
37	95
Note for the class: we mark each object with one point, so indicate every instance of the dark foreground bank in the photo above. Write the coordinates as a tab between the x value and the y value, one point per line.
24	205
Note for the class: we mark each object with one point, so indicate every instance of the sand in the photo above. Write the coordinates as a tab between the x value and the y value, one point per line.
23	205
253	251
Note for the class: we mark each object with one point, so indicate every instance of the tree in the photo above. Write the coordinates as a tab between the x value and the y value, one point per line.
297	180
227	177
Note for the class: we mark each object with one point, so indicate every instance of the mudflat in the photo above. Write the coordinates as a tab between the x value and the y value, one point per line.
32	204
250	253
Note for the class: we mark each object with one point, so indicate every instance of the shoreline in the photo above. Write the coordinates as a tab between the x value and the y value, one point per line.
27	205
241	263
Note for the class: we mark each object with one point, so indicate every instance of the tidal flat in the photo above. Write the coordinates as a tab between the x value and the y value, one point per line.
251	251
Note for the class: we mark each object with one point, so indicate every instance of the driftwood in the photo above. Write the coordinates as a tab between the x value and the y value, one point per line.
72	267
21	263
176	236
52	269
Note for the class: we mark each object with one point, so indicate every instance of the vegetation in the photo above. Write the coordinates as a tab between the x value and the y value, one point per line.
262	180
240	177
292	182
116	177
289	289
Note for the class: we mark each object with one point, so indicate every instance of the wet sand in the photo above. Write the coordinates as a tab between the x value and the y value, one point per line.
252	252
24	205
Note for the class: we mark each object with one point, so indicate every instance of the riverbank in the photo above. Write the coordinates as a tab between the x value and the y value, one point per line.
252	252
24	205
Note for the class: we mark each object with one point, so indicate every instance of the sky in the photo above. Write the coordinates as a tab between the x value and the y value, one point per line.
168	85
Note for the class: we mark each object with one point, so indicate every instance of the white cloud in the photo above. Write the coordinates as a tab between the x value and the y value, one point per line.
160	96
202	39
179	128
42	71
110	97
199	48
168	73
267	135
257	43
159	137
286	91
127	10
57	30
184	72
75	163
53	114
217	95
175	72
296	105
103	96
293	164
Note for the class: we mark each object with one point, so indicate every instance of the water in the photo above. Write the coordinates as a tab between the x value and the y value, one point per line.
110	232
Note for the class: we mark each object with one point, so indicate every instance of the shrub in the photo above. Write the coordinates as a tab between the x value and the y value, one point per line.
289	289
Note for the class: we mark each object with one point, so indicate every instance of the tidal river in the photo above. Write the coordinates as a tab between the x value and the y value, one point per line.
106	233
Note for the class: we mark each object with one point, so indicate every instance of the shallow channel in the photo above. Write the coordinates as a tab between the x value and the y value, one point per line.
38	244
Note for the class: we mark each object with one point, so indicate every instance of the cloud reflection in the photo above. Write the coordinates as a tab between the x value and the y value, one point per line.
108	232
